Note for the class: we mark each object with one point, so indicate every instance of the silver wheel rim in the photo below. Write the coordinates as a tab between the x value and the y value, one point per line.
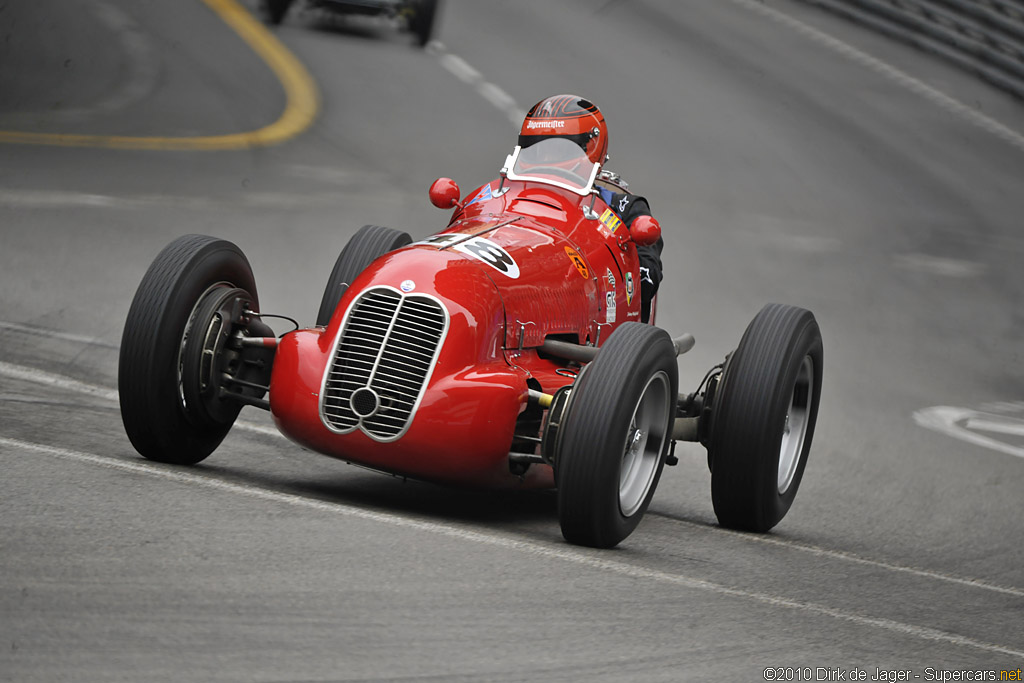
797	421
645	441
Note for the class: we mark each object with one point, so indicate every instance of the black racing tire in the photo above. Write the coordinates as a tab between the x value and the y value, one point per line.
276	10
423	19
160	423
763	416
615	438
368	244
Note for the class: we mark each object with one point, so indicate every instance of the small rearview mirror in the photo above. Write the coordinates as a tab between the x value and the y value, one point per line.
645	230
445	193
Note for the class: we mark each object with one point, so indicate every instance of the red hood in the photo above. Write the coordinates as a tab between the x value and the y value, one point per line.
545	284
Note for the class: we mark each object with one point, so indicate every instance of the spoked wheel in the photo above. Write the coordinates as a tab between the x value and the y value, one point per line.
763	416
369	243
172	360
613	442
275	10
422	21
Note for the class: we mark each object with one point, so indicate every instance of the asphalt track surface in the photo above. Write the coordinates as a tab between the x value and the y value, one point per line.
789	156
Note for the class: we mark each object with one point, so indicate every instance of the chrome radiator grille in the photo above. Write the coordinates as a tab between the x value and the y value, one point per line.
382	361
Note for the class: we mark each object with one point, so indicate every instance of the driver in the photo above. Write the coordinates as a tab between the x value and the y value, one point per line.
580	121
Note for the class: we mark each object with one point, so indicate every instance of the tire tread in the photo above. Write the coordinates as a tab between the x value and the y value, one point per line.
587	481
746	421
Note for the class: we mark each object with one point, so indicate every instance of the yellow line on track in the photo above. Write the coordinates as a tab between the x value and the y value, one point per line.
303	101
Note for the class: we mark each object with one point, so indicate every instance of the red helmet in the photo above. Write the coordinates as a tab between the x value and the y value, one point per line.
571	117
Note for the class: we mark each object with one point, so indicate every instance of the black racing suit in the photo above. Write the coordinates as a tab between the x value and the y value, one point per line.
627	207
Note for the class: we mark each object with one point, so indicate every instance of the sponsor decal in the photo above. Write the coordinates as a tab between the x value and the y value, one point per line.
629	287
545	124
483	195
407	286
490	253
611	279
609	299
610	220
623	203
578	261
645	274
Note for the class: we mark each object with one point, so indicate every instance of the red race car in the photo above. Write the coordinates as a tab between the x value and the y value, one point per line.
504	351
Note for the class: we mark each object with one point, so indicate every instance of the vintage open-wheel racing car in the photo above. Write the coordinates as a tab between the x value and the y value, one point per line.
504	351
415	16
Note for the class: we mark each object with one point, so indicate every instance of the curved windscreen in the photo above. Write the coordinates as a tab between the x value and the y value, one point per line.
554	161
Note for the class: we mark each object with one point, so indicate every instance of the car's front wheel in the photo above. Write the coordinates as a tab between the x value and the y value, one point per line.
369	243
196	291
615	437
275	10
422	21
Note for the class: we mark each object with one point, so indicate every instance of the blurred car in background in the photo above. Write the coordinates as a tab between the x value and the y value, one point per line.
416	16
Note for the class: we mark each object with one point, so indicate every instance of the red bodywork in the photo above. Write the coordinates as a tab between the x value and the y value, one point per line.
554	273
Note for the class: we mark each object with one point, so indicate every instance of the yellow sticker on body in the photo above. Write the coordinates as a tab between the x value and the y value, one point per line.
610	220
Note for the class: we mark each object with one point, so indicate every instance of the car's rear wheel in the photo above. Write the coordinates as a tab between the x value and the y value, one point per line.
763	416
422	22
368	244
275	10
613	442
196	290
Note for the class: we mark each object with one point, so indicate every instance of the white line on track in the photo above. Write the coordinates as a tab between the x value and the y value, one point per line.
66	336
856	559
462	70
958	422
36	376
49	379
455	64
1013	428
934	96
62	382
586	558
936	265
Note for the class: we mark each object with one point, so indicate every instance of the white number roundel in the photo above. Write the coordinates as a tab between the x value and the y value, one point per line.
491	254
